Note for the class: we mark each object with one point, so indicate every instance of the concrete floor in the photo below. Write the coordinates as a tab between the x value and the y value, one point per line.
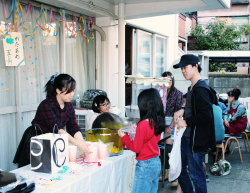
238	181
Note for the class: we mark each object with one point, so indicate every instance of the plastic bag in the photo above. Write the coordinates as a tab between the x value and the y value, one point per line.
175	155
25	182
110	147
131	130
220	168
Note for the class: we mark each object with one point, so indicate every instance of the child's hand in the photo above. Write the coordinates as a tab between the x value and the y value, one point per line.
226	123
168	131
121	133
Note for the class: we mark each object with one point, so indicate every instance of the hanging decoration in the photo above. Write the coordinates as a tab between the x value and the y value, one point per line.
83	25
16	24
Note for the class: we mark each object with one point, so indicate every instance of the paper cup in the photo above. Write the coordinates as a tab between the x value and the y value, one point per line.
94	144
88	143
103	151
92	157
72	153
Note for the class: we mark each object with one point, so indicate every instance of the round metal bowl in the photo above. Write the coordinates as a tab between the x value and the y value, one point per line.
106	135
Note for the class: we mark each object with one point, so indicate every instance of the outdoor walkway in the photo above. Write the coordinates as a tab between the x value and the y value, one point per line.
238	181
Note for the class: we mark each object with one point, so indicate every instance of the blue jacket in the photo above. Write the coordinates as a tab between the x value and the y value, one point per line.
223	108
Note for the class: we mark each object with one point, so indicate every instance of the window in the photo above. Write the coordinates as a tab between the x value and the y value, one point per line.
142	48
149	57
160	55
149	53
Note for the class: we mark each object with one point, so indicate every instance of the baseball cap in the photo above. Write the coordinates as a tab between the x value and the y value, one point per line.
186	60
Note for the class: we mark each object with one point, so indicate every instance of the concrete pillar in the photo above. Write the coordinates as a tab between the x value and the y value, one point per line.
121	57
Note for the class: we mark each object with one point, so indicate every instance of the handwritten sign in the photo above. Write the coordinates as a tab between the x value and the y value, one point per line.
13	50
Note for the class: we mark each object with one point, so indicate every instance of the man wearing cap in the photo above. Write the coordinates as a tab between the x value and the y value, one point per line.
198	119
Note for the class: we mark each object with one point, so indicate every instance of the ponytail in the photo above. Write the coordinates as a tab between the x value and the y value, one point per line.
63	82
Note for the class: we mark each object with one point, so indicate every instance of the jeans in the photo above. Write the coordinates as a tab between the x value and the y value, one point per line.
194	172
147	174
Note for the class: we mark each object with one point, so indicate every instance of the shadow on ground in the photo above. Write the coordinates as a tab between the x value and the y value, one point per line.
238	181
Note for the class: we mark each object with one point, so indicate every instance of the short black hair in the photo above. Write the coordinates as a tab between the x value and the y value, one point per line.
99	99
198	66
234	93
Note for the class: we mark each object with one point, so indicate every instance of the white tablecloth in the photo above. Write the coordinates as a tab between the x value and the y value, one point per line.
115	175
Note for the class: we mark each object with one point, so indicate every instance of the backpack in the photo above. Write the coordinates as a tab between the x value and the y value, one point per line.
220	168
92	93
218	123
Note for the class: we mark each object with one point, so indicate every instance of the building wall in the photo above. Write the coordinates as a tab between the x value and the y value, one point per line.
194	20
225	82
237	15
235	10
182	26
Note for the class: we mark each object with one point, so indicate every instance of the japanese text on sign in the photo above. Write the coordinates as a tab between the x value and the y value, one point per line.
13	50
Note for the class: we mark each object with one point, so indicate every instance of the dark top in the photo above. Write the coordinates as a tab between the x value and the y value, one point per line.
49	113
201	121
174	102
188	112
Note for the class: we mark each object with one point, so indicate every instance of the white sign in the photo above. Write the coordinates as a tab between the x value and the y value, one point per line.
13	49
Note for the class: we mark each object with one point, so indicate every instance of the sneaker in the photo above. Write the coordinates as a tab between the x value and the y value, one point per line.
207	178
165	176
174	184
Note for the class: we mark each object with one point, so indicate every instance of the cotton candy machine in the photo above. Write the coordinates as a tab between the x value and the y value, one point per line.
129	120
105	128
106	135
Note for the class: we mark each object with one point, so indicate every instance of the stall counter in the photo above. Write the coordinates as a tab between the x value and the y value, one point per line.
114	175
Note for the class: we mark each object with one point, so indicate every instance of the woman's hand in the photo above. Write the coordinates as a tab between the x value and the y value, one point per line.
121	133
78	141
178	115
226	123
85	149
181	123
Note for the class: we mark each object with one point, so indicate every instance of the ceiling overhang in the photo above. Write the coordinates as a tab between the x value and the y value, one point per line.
157	8
137	8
